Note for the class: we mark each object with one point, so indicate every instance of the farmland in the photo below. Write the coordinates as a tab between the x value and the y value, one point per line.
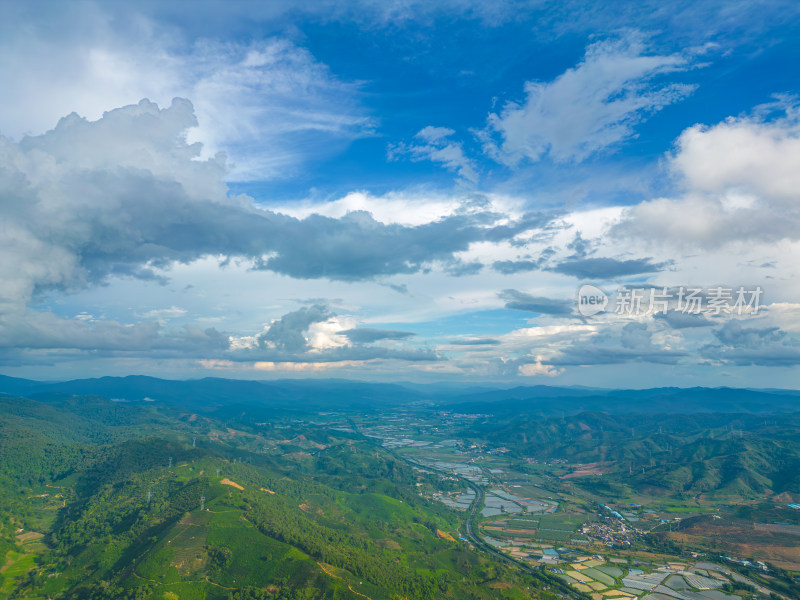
412	502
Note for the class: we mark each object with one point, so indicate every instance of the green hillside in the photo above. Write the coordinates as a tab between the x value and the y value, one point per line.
123	502
722	454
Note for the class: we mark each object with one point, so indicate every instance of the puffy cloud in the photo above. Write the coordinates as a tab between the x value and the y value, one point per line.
311	334
287	333
392	208
534	369
459	268
580	247
588	108
762	346
525	366
746	154
632	343
777	355
611	355
741	178
733	334
316	333
309	330
127	195
635	335
509	267
358	247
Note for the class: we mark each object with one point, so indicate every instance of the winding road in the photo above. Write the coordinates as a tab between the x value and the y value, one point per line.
560	587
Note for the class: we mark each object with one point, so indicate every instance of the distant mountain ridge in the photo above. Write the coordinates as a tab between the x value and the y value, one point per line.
215	393
656	400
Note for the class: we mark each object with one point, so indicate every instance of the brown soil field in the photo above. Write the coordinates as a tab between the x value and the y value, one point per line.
227	481
779	528
525	531
597	468
745	539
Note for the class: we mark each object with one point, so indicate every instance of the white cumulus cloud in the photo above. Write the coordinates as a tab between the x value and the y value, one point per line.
741	179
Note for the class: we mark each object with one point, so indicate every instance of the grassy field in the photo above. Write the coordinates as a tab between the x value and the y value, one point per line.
558	527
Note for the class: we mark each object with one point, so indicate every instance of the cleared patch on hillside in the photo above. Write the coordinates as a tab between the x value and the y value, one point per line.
227	481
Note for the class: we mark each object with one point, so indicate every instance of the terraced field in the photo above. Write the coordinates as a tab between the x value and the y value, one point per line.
665	582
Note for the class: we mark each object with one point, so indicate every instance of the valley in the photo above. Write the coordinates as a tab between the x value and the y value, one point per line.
132	499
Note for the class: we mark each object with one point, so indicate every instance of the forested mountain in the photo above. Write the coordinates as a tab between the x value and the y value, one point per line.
122	501
741	454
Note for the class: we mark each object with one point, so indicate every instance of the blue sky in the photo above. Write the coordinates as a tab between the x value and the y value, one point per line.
384	190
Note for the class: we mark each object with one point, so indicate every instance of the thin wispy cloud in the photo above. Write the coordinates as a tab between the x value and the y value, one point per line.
269	104
436	146
587	109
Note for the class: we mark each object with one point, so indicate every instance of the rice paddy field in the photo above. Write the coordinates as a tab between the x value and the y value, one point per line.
607	581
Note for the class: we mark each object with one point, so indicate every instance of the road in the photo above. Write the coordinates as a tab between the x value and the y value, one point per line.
560	588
